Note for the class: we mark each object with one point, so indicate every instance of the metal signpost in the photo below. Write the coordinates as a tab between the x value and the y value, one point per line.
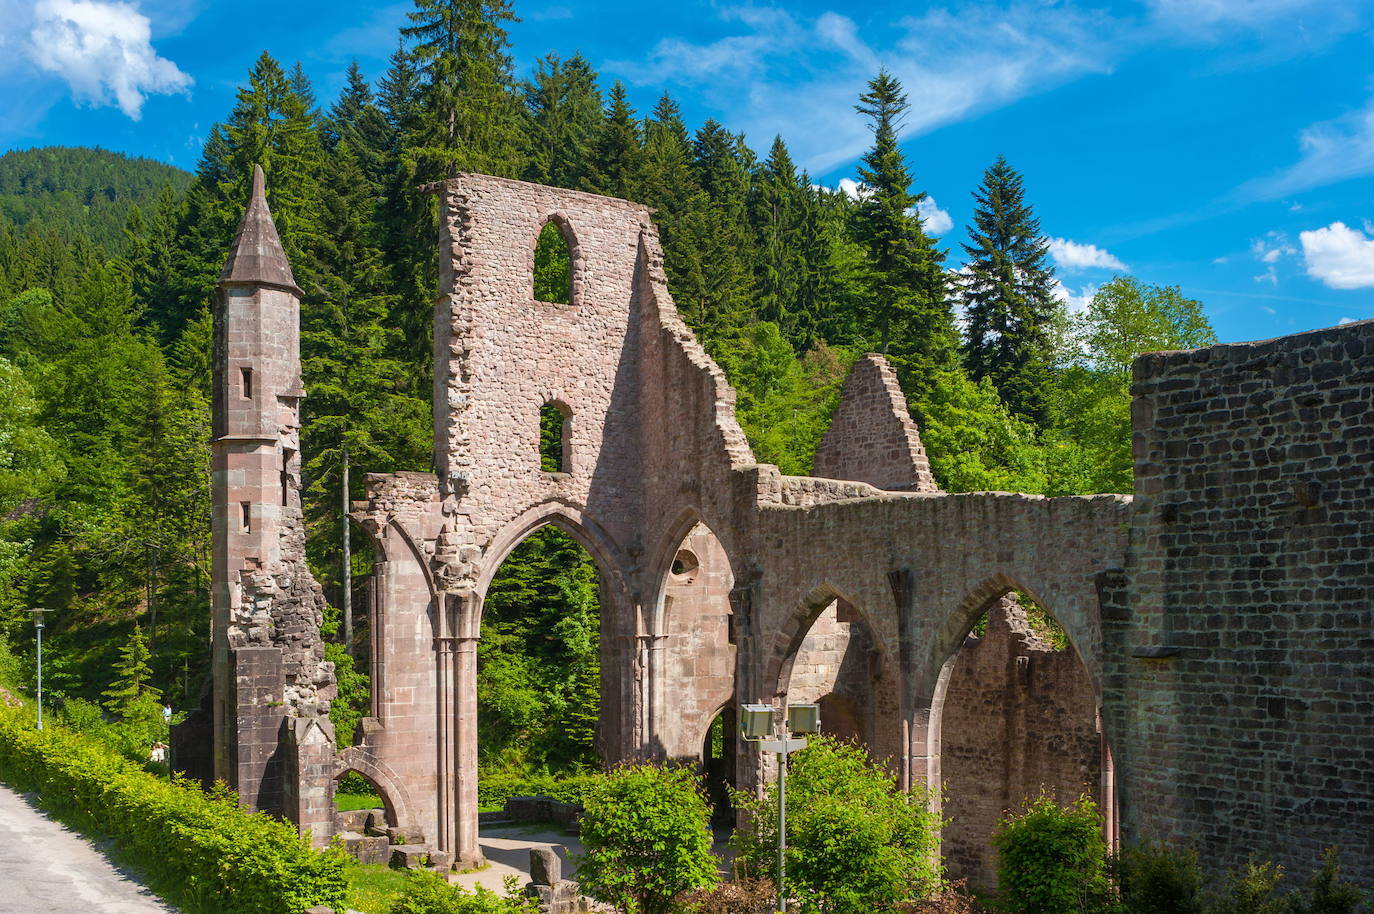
773	733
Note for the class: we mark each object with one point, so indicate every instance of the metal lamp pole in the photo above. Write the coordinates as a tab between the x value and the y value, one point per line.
785	721
38	626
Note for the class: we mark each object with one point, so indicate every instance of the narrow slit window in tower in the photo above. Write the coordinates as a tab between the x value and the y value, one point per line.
247	519
246	378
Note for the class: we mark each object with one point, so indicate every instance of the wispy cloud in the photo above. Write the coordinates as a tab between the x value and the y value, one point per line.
1071	255
104	52
798	76
1339	257
1331	151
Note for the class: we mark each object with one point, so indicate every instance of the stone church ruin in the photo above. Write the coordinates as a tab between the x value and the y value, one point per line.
1218	686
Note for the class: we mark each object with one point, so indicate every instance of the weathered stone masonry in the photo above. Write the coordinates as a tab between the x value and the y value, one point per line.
1222	620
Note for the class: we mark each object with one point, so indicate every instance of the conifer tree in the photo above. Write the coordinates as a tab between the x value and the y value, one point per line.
563	116
132	675
356	118
614	160
666	181
1008	295
470	116
909	312
775	210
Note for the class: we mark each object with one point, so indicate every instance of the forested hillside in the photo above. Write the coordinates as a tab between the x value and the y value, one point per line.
85	190
105	343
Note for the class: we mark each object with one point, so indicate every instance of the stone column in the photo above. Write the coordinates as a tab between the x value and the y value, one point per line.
466	851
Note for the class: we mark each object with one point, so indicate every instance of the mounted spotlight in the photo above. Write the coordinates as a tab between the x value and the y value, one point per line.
756	721
804	718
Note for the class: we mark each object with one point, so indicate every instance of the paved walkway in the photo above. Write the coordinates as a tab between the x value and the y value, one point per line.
45	868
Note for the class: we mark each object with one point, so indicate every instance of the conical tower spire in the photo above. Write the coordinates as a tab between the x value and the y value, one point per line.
257	257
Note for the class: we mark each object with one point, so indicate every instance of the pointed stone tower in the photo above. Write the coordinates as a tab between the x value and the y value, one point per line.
272	688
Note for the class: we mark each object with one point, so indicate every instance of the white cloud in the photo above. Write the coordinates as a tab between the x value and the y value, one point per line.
850	188
1074	256
1078	302
1338	256
1345	320
1236	12
104	51
1332	151
936	220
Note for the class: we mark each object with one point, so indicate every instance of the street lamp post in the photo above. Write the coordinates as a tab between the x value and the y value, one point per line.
38	627
757	722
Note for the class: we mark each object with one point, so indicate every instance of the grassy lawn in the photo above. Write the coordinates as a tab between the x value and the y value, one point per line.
347	801
372	887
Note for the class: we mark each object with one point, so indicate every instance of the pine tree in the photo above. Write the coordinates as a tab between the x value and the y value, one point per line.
614	162
1008	296
775	210
356	118
132	675
470	116
563	116
909	313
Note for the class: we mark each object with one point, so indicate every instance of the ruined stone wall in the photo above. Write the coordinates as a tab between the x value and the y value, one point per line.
1019	717
1240	697
872	437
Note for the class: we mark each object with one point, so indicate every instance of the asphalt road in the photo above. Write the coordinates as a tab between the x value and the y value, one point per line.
45	868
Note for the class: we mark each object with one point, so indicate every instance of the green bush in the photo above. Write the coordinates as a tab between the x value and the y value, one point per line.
855	841
1327	893
430	893
646	838
1155	879
493	790
1252	890
200	851
1052	859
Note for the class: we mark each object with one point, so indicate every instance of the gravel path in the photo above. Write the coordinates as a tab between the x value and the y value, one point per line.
45	868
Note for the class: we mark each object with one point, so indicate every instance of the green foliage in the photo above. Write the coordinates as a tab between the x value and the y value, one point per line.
430	893
1327	893
539	658
1254	889
131	676
81	189
374	887
975	444
494	788
855	841
226	861
1127	317
1008	296
552	261
1052	859
1154	879
646	838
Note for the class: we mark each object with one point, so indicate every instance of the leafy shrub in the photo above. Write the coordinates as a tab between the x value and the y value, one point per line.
1253	890
1052	859
430	893
1327	893
493	790
201	851
1157	880
855	841
646	838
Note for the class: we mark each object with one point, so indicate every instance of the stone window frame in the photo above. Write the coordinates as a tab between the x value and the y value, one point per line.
564	226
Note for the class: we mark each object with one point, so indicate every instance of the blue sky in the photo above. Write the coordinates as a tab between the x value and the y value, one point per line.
1226	146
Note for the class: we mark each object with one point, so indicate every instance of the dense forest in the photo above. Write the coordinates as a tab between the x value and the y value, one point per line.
105	341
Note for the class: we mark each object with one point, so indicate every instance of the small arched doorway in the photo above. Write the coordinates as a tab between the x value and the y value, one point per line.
718	765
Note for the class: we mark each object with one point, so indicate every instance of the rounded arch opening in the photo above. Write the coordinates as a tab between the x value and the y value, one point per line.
555	251
1015	711
363	782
